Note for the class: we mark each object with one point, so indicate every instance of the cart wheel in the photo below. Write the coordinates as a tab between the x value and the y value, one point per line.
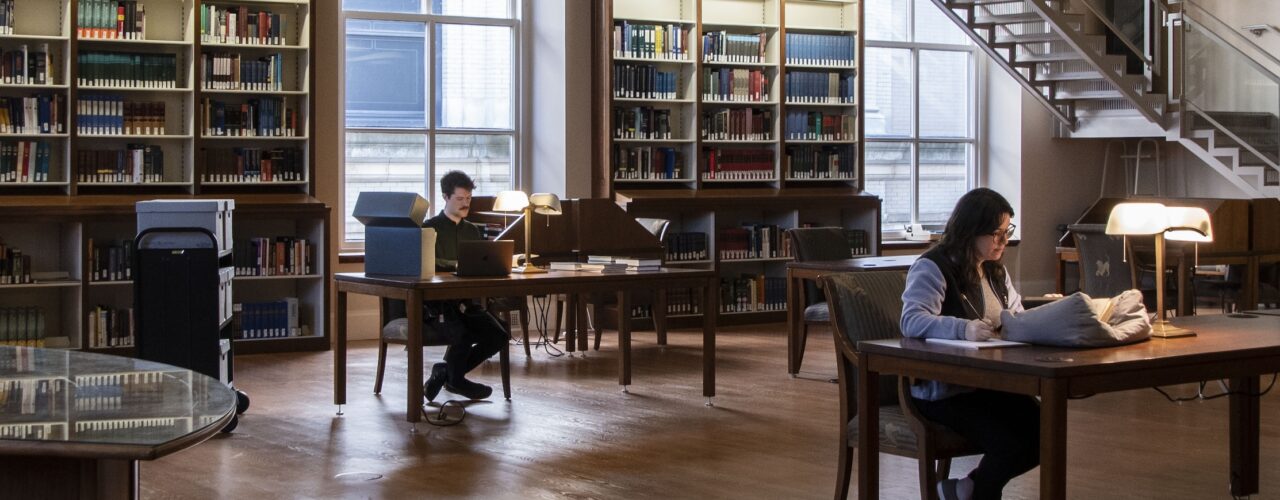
231	426
242	402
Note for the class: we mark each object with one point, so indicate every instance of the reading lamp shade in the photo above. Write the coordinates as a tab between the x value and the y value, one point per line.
1189	224
545	203
510	201
1137	218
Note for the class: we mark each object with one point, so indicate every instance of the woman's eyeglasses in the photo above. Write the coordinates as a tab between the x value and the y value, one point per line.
1005	235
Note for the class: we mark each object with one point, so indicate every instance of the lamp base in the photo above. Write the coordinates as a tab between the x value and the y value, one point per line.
1163	329
528	270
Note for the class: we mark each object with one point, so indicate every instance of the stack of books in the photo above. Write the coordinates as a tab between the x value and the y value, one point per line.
590	267
626	263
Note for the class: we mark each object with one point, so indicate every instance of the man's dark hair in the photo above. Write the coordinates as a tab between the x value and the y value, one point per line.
453	180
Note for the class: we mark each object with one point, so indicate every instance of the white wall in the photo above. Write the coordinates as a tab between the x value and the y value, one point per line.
558	114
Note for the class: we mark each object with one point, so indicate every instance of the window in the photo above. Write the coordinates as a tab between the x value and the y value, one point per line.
921	115
430	87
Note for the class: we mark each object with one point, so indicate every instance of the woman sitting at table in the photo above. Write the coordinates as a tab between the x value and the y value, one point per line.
956	290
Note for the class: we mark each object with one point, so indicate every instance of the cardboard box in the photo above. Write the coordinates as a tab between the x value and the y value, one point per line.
213	215
395	243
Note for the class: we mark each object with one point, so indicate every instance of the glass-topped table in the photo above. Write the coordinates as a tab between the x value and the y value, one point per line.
73	422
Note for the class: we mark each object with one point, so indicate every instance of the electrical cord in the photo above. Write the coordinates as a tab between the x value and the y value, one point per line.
540	317
1201	396
444	419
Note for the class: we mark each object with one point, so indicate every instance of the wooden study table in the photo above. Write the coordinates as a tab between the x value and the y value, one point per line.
1236	348
799	272
447	286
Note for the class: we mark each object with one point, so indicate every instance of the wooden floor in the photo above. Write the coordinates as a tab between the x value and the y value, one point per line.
570	433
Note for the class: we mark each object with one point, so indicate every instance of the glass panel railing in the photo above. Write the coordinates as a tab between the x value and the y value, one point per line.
1230	91
1131	30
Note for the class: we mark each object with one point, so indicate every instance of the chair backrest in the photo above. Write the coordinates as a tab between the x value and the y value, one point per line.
818	243
656	227
865	306
1105	271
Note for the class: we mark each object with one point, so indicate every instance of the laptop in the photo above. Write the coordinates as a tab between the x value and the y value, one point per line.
485	257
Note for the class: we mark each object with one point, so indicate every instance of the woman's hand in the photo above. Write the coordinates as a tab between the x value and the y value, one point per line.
979	330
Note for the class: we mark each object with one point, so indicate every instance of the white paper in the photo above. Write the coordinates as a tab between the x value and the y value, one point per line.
969	344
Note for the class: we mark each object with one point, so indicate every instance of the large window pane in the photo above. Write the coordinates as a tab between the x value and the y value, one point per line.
944	94
932	26
397	6
889	105
944	174
386	74
382	162
472	8
888	166
486	158
475	77
888	20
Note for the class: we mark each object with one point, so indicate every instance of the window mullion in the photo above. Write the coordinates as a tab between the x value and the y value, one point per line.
433	72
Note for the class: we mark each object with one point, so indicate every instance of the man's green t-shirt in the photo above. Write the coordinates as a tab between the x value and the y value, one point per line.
448	235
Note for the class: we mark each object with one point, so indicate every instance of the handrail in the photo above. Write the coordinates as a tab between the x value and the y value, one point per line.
1149	61
1186	13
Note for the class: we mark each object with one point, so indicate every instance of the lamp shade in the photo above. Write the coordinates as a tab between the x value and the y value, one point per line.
1137	218
510	201
545	203
1189	224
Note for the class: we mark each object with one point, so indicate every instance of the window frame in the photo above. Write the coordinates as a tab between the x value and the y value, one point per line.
431	130
975	98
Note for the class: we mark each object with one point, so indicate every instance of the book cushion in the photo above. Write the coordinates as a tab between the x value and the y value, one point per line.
1080	321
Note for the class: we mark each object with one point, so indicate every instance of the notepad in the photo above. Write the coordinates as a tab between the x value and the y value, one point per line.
969	344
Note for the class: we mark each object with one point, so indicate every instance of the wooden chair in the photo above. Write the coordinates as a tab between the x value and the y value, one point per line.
395	330
868	306
1106	269
813	244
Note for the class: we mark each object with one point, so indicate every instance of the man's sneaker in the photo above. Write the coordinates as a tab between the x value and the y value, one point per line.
431	389
469	389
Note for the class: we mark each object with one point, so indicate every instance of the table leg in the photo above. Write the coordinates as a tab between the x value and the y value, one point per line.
1249	287
624	338
1244	436
571	323
413	314
1061	276
584	326
709	316
868	432
1053	439
340	352
795	287
1185	307
660	315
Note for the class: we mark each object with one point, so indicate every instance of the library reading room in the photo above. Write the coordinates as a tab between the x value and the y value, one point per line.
627	249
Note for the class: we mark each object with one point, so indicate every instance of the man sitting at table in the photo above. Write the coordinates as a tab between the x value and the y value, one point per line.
473	334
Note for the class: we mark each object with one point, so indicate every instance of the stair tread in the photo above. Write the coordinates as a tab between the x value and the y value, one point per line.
1021	17
968	3
1050	57
1067	76
1027	38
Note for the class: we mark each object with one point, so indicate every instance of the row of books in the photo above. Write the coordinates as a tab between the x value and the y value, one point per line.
112	115
647	163
738	164
819	87
34	399
687	247
22	326
24	67
15	266
6	17
111	19
749	293
262	320
722	46
753	241
279	256
134	164
109	327
644	81
112	261
261	117
238	24
680	301
37	114
819	126
118	390
25	161
821	162
735	85
128	69
37	432
229	71
738	124
827	50
641	122
254	165
651	41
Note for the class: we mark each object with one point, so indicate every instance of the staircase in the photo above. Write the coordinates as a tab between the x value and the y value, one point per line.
1249	159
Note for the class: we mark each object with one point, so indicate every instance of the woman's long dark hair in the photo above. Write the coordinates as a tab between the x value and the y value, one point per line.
976	214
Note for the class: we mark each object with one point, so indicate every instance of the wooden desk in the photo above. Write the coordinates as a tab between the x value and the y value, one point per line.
798	272
447	286
1239	349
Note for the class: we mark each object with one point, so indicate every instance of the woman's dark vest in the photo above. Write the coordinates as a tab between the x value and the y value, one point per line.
953	299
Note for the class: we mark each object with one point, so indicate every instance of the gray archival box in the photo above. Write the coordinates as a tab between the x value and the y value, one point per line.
395	242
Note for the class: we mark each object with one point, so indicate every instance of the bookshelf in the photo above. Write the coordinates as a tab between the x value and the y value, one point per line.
179	99
770	91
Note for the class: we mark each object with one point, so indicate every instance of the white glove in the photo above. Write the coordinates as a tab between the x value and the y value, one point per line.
979	330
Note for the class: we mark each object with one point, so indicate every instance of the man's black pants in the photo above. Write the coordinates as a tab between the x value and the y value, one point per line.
1006	426
473	336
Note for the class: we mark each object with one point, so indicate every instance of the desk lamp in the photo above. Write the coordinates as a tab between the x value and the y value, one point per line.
1181	224
517	201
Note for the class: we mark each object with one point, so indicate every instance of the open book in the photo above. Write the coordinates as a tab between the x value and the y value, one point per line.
969	344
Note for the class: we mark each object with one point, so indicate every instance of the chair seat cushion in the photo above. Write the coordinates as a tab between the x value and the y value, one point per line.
397	332
817	313
897	436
